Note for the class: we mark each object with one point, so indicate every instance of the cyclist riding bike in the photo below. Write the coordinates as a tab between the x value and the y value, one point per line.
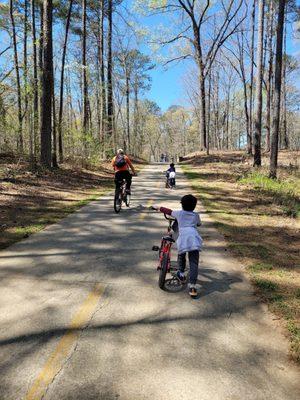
121	165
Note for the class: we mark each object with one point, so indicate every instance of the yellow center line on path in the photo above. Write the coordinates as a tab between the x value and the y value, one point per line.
58	357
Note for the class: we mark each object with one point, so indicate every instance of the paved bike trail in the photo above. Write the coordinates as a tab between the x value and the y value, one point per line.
82	317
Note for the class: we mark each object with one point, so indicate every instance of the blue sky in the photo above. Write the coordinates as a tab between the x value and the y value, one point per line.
167	86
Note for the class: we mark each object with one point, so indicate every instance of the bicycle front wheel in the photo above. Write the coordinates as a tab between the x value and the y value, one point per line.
117	202
163	270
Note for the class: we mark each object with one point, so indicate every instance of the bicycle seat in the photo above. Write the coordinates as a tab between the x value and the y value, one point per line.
169	239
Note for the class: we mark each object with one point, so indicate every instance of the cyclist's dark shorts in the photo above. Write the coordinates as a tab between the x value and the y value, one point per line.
120	175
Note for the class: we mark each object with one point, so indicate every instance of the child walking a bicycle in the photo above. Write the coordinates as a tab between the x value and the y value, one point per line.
189	240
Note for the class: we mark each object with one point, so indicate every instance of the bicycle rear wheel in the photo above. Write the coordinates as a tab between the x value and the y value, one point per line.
117	201
163	270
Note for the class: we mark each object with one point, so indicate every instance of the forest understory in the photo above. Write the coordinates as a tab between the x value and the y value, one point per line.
29	201
259	218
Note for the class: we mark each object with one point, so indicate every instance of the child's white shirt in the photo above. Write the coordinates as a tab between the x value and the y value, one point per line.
189	238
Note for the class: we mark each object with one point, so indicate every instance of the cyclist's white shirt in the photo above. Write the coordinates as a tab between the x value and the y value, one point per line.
189	238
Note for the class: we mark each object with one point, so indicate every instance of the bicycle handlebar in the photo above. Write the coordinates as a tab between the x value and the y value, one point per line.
169	217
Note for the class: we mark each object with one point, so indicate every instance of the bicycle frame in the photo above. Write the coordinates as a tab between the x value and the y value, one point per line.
170	183
166	245
164	257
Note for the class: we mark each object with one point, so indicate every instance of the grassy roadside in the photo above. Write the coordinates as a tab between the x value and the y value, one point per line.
258	218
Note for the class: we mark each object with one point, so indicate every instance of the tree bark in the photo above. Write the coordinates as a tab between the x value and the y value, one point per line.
202	104
259	77
17	69
244	81
41	57
277	89
250	143
54	128
84	74
102	71
25	76
208	111
285	139
270	76
61	95
128	112
202	109
35	83
110	110
137	148
47	88
227	113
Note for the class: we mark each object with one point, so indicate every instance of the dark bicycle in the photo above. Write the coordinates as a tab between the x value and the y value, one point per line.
121	196
164	256
170	180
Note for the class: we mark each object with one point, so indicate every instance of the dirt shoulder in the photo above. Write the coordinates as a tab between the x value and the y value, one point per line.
30	201
258	218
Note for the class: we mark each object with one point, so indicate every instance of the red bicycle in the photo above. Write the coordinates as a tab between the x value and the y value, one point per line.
164	255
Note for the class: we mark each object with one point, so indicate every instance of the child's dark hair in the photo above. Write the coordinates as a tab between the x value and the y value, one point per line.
188	202
172	165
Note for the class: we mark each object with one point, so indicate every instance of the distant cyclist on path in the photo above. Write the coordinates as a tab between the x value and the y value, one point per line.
121	164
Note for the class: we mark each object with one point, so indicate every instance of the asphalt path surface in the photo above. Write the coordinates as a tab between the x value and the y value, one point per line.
82	317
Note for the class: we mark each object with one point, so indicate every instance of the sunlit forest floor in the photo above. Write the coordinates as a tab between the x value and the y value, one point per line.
259	218
30	201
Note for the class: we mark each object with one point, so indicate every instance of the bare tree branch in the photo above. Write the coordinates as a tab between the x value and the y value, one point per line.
180	58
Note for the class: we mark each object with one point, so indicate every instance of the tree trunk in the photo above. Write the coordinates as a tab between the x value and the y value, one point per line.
61	95
47	80
25	77
227	114
285	138
277	89
249	138
259	77
136	120
217	115
128	113
35	83
208	112
41	57
16	61
102	71
84	74
110	110
198	49
244	81
54	129
202	109
250	143
270	75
